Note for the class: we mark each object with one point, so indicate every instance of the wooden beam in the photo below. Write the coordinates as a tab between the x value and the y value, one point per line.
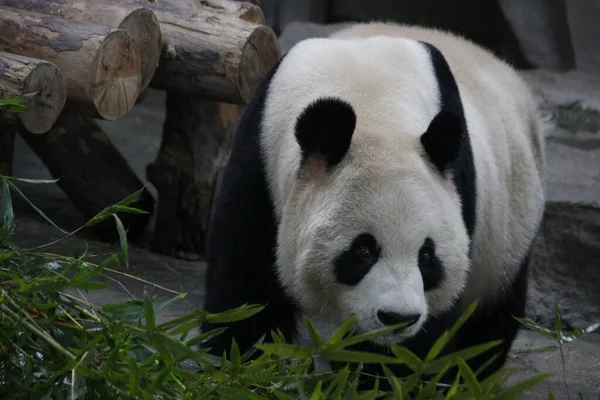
92	172
23	75
101	66
139	22
197	138
210	51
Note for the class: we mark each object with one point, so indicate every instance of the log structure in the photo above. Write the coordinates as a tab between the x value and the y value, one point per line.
92	172
197	138
45	84
245	10
210	51
213	56
101	65
138	21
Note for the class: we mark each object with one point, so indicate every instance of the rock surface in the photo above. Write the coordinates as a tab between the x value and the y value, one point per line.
565	266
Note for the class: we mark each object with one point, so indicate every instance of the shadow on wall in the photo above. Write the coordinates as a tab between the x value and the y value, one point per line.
527	34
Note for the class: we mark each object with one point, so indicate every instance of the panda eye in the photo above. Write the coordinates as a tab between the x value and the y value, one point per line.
432	269
363	252
424	257
356	261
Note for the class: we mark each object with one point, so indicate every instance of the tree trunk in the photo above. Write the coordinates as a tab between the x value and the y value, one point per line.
212	53
92	172
22	75
197	138
101	66
139	22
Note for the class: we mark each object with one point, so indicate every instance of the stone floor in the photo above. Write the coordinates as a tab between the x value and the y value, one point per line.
565	265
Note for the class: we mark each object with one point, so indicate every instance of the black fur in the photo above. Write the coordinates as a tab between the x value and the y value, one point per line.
443	139
432	269
497	323
350	266
241	242
325	128
463	167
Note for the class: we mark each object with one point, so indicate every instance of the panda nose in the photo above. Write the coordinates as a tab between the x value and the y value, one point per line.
393	318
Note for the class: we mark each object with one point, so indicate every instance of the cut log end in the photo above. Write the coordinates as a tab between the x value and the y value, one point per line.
117	76
259	54
45	106
144	28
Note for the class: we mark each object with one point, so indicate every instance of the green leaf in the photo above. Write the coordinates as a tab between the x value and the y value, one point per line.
465	354
407	357
149	313
126	309
132	198
128	210
316	395
8	217
312	332
286	350
531	325
237	314
356	339
341	331
134	377
437	347
85	274
281	396
235	359
469	377
205	336
570	336
34	181
40	212
122	240
462	319
454	388
394	383
45	286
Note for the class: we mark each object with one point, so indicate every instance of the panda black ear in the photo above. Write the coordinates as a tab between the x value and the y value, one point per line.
325	127
443	140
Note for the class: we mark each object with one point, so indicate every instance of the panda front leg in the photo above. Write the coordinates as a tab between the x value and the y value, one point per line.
496	322
241	243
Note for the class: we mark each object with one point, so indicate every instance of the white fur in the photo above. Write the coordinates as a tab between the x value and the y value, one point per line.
385	187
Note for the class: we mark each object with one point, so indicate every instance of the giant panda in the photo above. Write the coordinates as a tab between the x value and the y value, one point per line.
390	172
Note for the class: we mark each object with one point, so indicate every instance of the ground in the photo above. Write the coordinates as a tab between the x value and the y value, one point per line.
565	264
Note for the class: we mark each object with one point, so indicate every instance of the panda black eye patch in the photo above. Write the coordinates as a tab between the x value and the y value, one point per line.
356	261
432	269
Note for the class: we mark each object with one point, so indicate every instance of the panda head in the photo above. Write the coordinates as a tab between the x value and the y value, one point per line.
372	225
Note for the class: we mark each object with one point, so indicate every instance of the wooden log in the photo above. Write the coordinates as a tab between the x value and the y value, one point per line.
23	75
92	172
197	138
139	22
101	65
213	53
246	10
